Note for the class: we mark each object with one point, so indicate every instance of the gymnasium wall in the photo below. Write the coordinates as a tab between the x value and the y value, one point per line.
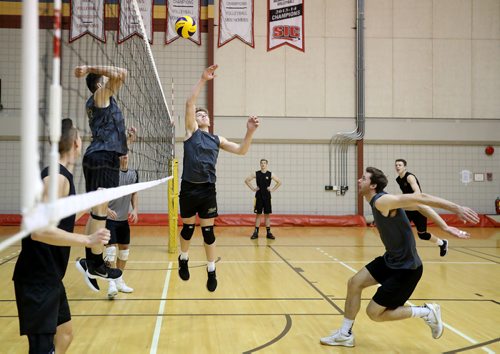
432	97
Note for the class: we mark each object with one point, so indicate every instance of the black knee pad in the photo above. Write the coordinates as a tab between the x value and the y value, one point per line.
208	234
187	231
41	343
424	235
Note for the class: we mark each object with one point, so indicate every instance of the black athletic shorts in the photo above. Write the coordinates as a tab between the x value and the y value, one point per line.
101	170
397	284
41	307
120	231
418	219
198	198
262	205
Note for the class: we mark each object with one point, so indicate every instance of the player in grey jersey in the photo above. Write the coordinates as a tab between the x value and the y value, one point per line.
118	224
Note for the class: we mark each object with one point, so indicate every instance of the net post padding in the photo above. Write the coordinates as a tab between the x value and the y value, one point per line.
173	207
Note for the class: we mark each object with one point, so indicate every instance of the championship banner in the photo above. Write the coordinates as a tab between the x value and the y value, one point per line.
236	21
180	8
129	24
285	24
87	16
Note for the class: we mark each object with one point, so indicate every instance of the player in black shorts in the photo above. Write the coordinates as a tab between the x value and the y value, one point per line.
399	270
262	201
101	163
44	314
197	195
408	183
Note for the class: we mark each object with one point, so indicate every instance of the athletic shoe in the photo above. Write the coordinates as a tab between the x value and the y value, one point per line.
338	339
104	271
443	249
270	236
81	265
122	287
434	321
183	268
112	291
211	281
254	236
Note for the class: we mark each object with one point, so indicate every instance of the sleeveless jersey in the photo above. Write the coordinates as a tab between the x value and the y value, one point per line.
263	181
39	262
108	128
121	205
397	237
404	185
200	157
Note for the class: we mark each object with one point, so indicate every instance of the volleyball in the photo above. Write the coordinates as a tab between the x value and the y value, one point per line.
185	26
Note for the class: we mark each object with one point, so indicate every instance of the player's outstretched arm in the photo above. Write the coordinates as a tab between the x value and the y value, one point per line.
58	237
242	148
431	214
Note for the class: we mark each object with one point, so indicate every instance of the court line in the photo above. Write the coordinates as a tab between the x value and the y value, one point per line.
161	310
456	331
473	346
475	255
283	333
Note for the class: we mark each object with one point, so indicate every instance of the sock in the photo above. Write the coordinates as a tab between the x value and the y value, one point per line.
268	229
439	242
420	311
256	229
346	328
184	256
210	266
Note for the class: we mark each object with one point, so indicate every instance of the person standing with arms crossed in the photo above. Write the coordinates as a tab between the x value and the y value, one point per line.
42	305
118	224
408	183
197	194
399	269
101	164
262	201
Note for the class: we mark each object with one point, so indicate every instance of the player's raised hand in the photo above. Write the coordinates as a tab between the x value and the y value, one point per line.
100	237
253	123
81	71
209	73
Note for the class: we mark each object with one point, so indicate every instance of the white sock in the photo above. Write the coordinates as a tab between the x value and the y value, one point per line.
439	242
420	311
346	326
184	256
210	266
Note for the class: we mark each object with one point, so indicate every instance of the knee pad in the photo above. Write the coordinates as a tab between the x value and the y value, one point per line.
98	217
208	234
187	231
424	235
110	255
123	254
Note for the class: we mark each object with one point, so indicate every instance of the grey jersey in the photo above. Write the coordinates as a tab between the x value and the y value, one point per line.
397	237
121	205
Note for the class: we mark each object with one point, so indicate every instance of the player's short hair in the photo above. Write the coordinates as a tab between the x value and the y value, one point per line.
377	177
401	160
264	160
92	81
68	135
201	109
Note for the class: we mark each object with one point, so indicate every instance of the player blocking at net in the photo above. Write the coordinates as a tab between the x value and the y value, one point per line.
101	162
197	195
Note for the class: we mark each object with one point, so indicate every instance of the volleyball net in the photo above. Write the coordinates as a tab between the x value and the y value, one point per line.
140	98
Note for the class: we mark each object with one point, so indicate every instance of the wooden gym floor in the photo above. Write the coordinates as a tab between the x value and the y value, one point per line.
273	296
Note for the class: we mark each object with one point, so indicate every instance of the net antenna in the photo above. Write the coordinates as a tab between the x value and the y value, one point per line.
141	100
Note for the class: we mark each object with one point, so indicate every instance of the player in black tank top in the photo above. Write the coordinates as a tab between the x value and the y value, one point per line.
262	201
399	270
40	295
408	183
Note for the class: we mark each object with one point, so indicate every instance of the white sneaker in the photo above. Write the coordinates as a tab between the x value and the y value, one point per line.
434	321
338	339
112	291
122	287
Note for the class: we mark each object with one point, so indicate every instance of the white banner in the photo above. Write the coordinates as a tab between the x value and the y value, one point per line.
180	8
285	24
129	23
87	16
236	21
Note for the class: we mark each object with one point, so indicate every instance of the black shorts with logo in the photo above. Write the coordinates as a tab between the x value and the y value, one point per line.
418	219
120	232
41	307
198	198
101	170
397	284
261	204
